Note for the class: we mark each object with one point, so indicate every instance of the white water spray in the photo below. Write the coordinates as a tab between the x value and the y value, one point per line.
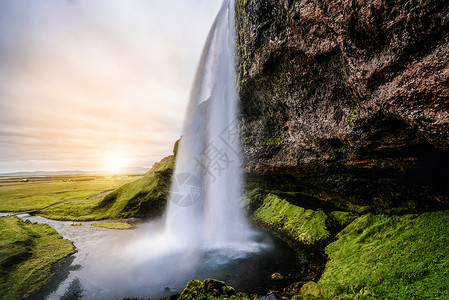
205	196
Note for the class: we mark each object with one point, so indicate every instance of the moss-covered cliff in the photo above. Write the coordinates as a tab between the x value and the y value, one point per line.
347	100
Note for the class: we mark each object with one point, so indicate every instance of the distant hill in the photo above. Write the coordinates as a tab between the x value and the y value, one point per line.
129	170
143	198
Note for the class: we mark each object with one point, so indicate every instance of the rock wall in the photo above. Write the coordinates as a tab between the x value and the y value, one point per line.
348	100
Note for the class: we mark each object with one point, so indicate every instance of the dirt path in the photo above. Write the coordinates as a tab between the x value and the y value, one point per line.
28	211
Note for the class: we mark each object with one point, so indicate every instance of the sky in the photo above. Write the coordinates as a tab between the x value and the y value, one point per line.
96	84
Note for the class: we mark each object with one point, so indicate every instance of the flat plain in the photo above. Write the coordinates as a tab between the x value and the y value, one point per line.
17	194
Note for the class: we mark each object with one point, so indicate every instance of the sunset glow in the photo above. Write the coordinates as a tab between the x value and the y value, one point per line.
115	163
79	78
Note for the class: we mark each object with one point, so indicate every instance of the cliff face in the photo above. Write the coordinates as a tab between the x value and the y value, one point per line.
348	100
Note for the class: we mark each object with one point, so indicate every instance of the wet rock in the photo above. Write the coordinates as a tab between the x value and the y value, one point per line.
357	90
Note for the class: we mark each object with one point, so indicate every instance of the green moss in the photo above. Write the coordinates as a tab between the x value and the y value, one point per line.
351	116
145	197
343	218
27	253
208	289
296	224
242	39
356	185
388	257
277	276
113	225
274	141
175	147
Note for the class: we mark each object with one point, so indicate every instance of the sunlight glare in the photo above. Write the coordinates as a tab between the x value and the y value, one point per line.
115	163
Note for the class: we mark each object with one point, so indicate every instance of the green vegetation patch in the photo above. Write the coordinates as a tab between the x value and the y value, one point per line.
113	225
145	197
351	116
297	224
73	211
343	218
387	257
27	253
38	193
208	289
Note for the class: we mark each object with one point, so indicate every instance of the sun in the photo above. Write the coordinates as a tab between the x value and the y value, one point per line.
115	163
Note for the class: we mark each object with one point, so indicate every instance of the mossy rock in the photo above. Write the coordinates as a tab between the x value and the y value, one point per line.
295	224
343	218
210	287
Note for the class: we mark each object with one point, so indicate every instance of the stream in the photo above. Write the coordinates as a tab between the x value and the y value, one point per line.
114	264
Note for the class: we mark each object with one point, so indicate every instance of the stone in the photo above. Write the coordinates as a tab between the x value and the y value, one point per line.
359	88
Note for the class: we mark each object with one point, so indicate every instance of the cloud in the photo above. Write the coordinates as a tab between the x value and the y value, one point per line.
84	79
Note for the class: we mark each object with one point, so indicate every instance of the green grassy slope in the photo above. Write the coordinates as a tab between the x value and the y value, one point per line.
145	197
27	253
388	257
295	224
370	256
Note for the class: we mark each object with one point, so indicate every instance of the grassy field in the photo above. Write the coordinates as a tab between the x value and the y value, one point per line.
144	197
27	253
40	192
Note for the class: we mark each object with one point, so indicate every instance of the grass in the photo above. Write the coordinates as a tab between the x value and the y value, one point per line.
73	211
387	257
374	256
27	253
39	193
297	224
145	197
113	225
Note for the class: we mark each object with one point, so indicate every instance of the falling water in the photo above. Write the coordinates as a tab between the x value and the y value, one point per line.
205	196
204	233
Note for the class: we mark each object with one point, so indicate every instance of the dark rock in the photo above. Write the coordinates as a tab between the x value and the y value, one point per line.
268	297
348	100
174	297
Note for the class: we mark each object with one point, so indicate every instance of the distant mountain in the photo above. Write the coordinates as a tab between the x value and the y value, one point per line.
128	170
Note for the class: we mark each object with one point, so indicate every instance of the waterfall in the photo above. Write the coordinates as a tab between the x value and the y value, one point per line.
205	195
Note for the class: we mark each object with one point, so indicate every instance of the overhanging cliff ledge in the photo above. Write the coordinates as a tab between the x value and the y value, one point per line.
347	100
